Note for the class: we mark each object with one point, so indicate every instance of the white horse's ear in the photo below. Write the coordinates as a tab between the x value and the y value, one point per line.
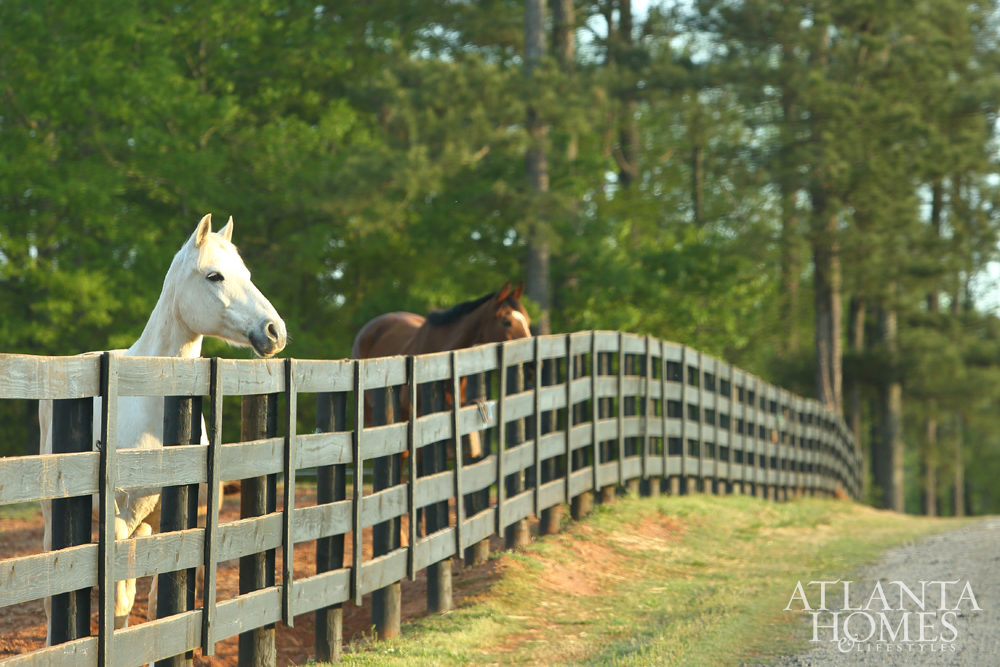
203	230
227	231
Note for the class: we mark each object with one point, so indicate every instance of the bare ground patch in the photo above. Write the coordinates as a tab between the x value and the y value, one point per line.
591	565
22	626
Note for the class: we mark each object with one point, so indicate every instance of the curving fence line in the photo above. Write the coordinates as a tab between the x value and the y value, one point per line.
559	417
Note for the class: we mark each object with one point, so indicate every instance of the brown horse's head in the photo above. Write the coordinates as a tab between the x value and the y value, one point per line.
492	318
506	319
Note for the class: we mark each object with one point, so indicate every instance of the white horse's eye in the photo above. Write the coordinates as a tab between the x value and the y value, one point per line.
215	277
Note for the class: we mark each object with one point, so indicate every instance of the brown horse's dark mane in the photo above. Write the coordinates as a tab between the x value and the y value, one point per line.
441	317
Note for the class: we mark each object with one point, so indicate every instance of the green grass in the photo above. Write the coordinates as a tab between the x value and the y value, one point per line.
694	580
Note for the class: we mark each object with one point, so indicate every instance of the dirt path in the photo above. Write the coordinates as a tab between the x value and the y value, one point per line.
954	633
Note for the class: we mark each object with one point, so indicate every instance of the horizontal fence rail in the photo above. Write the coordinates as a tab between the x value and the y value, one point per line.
557	417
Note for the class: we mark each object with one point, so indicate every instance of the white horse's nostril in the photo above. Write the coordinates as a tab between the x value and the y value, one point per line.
272	331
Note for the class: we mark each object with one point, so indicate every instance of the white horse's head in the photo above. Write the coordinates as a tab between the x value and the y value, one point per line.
214	294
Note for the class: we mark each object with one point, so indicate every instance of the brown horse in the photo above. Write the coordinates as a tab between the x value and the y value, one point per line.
492	318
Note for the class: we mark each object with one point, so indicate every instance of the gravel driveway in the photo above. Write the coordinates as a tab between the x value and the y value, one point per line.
955	632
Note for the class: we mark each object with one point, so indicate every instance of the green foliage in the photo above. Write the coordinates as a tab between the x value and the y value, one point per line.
372	156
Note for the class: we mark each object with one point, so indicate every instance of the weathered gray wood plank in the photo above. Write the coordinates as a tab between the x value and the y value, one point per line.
319	521
245	377
323	449
385	440
551	493
607	474
580	481
42	575
519	406
383	505
435	547
606	386
25	376
313	376
478	527
477	359
519	351
519	458
633	344
383	570
29	478
479	475
321	590
249	611
606	341
162	552
254	458
77	653
551	346
163	376
163	466
249	536
432	367
433	488
383	372
162	638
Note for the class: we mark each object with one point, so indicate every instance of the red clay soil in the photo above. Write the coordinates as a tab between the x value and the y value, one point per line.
22	627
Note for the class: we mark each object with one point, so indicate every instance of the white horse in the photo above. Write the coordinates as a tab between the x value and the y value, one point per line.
207	292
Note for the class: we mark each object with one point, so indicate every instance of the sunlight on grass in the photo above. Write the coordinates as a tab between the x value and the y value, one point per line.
692	580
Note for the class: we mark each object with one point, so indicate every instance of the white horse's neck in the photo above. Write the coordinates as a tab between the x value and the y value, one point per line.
165	334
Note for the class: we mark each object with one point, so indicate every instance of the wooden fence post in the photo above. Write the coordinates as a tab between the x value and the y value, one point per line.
605	406
627	407
331	486
551	517
434	460
475	389
213	506
580	504
181	426
386	473
583	502
72	431
516	534
651	483
258	496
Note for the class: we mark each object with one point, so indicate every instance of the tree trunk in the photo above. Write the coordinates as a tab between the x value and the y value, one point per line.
791	257
537	278
856	333
959	460
628	133
888	459
929	451
564	50
929	461
829	308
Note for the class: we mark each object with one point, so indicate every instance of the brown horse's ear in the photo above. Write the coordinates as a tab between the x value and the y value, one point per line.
504	292
518	291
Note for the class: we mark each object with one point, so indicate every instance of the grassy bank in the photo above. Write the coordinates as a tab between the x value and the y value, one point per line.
694	580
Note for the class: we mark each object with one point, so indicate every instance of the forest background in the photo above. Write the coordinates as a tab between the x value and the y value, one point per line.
805	188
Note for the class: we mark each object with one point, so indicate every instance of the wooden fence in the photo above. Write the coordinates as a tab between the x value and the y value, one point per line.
561	416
